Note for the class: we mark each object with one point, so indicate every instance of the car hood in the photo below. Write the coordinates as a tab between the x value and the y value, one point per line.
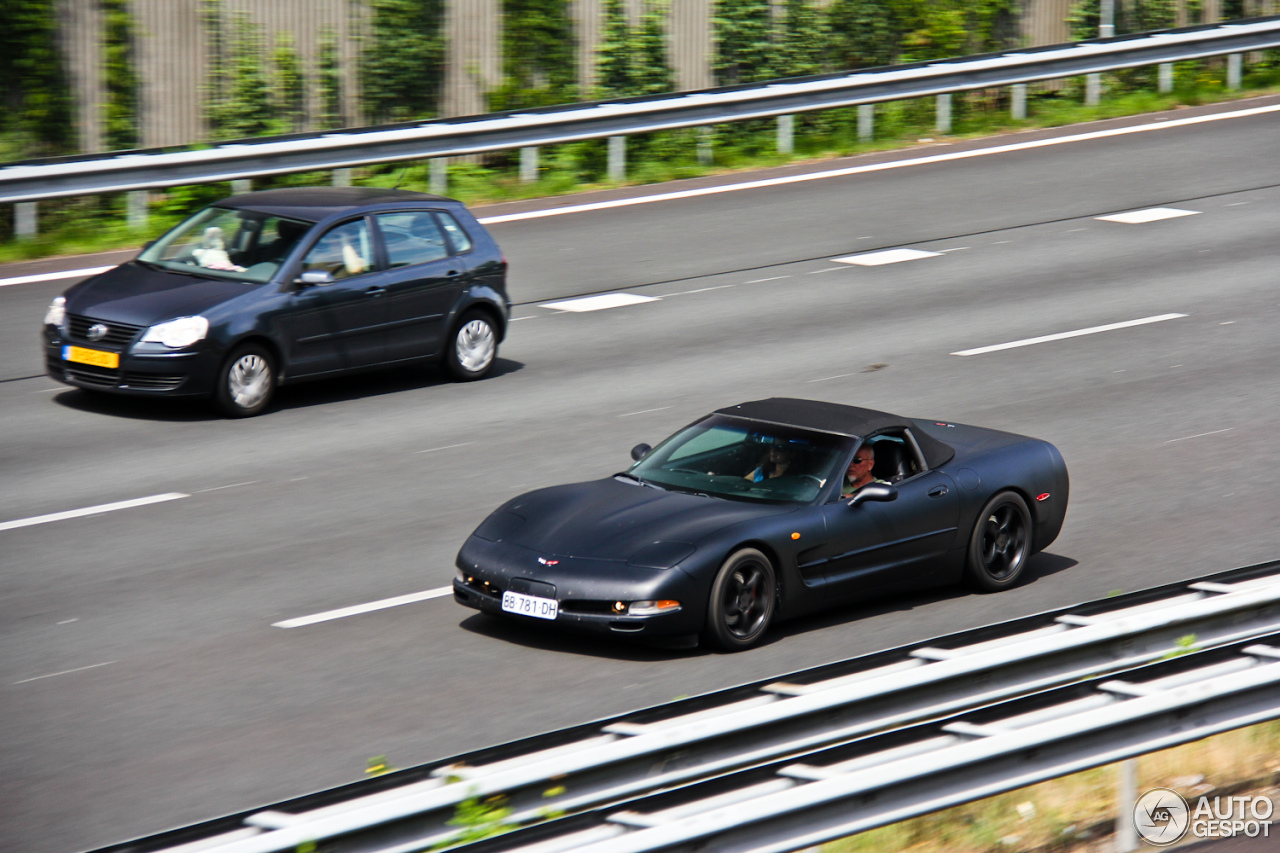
140	296
614	519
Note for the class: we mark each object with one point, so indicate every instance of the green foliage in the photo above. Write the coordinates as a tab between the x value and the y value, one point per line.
35	95
1135	16
477	819
238	101
329	82
539	59
402	65
290	106
743	52
122	83
864	33
805	41
632	61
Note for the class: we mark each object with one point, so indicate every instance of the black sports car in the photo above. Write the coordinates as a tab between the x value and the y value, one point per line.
765	511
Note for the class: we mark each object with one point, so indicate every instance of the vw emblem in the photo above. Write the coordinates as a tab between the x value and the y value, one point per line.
97	332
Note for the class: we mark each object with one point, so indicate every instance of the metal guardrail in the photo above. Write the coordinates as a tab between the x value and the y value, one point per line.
834	793
135	170
609	761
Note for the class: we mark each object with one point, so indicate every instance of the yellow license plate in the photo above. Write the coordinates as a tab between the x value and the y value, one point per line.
96	357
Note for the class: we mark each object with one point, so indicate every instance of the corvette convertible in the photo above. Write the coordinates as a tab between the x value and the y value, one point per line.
763	511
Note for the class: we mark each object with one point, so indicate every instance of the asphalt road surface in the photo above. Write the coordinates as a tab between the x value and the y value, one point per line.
144	683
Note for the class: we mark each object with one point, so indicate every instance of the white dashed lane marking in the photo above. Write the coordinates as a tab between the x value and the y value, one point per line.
90	510
599	303
67	671
1153	214
357	609
889	256
1200	435
1043	339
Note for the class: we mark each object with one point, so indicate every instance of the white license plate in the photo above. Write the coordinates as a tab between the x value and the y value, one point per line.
529	605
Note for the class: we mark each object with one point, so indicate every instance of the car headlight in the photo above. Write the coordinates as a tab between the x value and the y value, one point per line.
57	312
179	333
646	608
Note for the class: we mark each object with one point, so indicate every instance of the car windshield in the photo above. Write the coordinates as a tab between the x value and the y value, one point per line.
221	242
745	460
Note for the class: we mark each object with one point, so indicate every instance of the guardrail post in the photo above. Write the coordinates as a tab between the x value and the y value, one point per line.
1018	105
704	146
241	186
944	113
1126	796
617	158
1234	65
24	219
438	181
136	209
866	122
1092	89
1165	77
786	134
342	177
529	164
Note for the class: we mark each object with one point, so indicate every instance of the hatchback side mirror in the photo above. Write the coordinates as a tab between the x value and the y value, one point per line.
874	492
638	452
311	278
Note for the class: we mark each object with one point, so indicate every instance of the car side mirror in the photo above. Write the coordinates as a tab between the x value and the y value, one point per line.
638	452
311	278
873	492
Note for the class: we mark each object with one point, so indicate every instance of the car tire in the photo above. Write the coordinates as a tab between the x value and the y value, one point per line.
1000	544
246	382
742	601
473	347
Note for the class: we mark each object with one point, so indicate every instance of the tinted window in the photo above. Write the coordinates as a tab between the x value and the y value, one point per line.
412	238
461	242
343	251
236	244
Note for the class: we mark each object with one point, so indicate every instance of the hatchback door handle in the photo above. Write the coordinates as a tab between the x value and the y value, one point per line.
937	491
451	274
375	291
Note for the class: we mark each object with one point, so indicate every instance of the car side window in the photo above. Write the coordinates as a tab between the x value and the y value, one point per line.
411	237
461	242
343	252
896	456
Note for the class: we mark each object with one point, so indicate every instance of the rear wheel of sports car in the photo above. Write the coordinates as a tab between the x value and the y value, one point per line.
742	601
247	382
1000	544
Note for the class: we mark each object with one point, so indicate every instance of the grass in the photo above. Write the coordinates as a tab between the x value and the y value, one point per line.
1067	813
94	224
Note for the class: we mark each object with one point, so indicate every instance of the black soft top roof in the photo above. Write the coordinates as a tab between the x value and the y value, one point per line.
315	203
837	418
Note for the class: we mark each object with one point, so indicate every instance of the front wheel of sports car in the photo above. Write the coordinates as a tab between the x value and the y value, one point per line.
1001	543
742	601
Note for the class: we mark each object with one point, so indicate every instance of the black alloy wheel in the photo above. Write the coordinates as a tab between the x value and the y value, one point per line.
472	349
247	381
742	601
1001	543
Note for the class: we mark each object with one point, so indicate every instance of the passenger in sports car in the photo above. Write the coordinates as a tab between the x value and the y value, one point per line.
774	463
859	473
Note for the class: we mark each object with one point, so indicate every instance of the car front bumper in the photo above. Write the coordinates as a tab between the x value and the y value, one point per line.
185	373
585	590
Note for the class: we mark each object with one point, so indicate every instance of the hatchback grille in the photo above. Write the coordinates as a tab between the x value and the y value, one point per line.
90	375
118	334
152	382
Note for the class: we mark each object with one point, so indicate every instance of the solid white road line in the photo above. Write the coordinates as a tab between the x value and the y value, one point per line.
879	167
1151	214
50	276
888	256
364	608
1064	335
599	303
90	510
67	671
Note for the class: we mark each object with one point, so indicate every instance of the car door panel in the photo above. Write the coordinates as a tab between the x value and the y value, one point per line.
422	282
923	520
856	551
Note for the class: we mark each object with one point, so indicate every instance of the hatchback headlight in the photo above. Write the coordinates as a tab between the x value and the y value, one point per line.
179	333
57	312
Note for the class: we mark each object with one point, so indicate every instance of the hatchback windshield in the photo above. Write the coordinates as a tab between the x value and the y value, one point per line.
745	460
223	243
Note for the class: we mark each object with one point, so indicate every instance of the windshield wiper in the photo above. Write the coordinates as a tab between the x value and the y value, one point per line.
152	265
638	480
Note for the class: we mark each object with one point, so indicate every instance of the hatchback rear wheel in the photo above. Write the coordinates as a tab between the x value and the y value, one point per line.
474	347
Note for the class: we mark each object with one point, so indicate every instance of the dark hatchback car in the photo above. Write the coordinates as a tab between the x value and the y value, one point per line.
284	285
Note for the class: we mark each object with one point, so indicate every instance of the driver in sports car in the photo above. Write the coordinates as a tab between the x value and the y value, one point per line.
859	473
